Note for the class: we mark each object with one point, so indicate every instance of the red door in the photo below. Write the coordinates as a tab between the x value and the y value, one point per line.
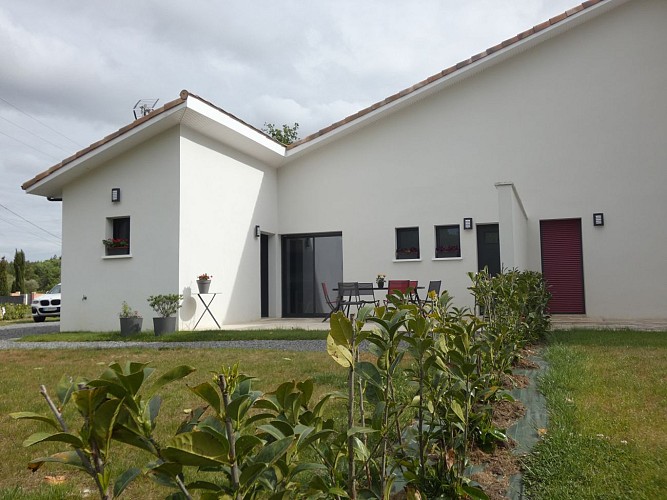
563	265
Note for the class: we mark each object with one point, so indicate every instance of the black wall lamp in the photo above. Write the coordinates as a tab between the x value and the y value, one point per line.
598	219
467	223
115	195
258	232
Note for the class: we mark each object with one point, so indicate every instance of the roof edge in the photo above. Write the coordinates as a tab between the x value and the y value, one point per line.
460	66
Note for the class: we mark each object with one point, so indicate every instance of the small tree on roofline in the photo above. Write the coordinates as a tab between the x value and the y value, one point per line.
285	135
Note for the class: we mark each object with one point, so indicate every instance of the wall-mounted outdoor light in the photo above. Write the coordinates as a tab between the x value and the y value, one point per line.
598	219
258	233
115	195
467	223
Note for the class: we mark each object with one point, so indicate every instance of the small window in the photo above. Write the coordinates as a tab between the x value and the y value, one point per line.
407	243
447	242
118	243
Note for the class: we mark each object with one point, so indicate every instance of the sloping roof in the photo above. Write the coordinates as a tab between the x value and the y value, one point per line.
459	67
448	71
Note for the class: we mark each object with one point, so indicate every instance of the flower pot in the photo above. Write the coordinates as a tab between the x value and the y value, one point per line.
164	325
203	285
129	326
380	284
118	250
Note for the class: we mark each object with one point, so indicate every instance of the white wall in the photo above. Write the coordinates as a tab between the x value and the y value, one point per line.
224	194
148	179
577	124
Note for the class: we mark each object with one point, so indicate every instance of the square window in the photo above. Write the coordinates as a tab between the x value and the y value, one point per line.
118	243
407	243
447	241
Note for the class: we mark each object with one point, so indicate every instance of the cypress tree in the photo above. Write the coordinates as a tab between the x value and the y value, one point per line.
4	278
19	272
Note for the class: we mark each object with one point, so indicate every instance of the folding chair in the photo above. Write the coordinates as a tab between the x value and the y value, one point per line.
433	286
414	296
367	294
334	305
348	295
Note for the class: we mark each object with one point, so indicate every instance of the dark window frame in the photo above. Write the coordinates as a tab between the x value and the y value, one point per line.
405	248
445	249
119	228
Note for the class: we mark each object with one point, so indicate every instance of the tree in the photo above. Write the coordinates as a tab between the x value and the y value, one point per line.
4	278
286	135
19	272
46	273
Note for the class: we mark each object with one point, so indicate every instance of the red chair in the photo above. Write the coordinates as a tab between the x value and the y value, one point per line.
398	286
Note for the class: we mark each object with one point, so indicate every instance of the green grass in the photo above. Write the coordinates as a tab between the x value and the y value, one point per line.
22	372
607	434
198	336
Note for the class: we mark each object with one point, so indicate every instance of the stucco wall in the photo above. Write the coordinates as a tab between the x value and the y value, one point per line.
94	286
576	123
224	194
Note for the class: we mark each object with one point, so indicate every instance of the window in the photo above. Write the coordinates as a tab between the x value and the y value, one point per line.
447	242
407	243
118	242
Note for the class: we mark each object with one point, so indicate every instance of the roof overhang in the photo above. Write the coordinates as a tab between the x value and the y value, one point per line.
188	111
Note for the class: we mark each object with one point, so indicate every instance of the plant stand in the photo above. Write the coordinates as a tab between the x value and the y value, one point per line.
164	325
129	326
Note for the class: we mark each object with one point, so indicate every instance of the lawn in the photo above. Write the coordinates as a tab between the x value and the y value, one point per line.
185	336
607	395
607	436
22	372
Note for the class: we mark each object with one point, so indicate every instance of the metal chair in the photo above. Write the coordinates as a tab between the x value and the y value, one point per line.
348	295
398	286
433	286
414	296
334	305
367	294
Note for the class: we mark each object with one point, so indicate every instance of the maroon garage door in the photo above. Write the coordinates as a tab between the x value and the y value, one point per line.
562	265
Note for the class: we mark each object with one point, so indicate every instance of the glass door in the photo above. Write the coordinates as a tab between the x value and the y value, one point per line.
307	261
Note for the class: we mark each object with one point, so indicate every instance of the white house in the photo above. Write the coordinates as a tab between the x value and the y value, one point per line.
553	143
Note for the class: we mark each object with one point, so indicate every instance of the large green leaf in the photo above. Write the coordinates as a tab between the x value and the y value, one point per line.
124	480
172	375
60	437
340	353
28	415
272	452
250	472
237	409
196	448
70	458
208	393
66	386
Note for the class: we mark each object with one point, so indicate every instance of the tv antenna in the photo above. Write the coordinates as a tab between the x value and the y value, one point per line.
144	107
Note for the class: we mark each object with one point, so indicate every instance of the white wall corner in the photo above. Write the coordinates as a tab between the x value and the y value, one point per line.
513	227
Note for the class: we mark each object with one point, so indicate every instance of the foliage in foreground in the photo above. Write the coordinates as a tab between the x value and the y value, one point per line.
280	445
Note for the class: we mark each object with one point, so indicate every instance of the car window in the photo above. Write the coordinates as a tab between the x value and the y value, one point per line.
55	289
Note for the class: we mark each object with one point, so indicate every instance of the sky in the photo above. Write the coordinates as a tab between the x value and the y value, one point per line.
72	71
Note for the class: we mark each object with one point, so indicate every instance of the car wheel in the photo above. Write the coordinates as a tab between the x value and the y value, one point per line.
39	319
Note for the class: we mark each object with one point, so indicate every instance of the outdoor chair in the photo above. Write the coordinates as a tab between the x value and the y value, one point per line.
433	286
333	305
348	296
414	296
398	286
367	294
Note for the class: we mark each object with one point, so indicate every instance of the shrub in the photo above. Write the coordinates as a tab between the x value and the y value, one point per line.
14	311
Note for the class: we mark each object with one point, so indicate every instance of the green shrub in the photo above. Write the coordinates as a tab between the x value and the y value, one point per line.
14	311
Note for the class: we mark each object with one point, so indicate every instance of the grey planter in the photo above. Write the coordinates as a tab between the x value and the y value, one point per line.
203	285
130	326
164	325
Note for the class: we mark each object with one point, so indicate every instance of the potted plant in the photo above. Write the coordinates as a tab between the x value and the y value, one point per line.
380	280
203	282
130	320
116	246
166	306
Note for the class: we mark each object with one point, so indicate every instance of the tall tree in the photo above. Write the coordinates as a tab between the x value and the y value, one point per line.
19	272
286	135
4	278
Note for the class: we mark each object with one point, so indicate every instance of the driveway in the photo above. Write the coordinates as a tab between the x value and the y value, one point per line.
23	329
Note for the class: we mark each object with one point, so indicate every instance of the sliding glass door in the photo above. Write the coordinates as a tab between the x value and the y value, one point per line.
307	261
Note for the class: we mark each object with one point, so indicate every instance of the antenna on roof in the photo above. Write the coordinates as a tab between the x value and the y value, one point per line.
143	107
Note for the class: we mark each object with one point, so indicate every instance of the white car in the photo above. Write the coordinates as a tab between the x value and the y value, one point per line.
46	305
